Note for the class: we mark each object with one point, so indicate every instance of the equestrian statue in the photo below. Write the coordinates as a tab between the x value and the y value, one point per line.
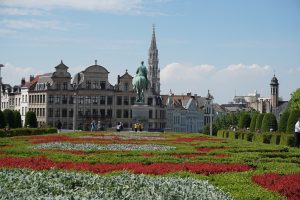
140	83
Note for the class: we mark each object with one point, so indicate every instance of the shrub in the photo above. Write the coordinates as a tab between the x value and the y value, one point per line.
283	121
253	122
259	121
17	119
9	118
293	118
244	120
30	120
2	120
269	122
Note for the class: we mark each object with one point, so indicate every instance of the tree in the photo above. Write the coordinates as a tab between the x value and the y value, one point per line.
259	121
293	118
269	122
294	103
17	119
283	121
2	120
9	118
30	120
253	122
206	129
244	120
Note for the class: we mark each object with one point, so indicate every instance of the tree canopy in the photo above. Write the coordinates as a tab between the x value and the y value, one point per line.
294	103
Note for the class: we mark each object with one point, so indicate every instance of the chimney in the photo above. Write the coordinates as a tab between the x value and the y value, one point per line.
188	94
31	78
23	81
119	79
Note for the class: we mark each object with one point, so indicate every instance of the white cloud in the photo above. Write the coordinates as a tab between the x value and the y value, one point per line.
12	74
98	5
181	72
30	24
223	82
20	12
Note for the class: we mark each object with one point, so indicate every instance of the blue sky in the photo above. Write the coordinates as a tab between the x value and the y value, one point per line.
230	47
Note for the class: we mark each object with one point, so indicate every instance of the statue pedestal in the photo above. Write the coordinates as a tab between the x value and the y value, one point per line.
140	113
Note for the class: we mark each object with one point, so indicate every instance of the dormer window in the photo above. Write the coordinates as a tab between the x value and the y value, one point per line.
65	85
88	84
126	87
102	85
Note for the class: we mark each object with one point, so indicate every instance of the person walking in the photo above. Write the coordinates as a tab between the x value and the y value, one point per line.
58	126
297	133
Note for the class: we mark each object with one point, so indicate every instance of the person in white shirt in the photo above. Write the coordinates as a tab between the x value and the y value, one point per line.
297	133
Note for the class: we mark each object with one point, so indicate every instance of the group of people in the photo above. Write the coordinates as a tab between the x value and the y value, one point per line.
138	126
119	126
94	126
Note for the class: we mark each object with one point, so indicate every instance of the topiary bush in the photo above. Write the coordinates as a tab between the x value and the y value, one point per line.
17	119
253	122
244	120
283	121
30	120
9	118
269	122
293	118
259	121
2	120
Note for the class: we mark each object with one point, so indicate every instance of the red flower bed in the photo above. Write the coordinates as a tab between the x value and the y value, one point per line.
221	155
41	163
286	185
207	149
189	155
1	152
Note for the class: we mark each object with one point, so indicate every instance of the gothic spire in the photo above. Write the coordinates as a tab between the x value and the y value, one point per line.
153	40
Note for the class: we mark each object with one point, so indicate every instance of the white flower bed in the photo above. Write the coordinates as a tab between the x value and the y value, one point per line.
124	137
26	184
112	147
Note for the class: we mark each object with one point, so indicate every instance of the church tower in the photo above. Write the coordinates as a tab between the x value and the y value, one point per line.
274	92
153	70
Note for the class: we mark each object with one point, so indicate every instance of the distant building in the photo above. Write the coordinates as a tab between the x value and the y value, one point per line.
254	101
184	113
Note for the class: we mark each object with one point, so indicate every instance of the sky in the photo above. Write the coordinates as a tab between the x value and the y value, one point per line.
231	47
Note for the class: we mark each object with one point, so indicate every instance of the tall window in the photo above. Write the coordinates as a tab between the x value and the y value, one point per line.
150	101
150	114
50	99
125	113
64	99
64	112
87	100
94	100
126	87
102	113
71	112
132	100
57	99
57	112
88	84
80	112
126	100
95	85
109	100
81	98
102	85
119	100
65	85
119	113
102	100
50	112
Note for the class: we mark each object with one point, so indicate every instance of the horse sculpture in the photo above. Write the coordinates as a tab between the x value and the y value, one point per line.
140	83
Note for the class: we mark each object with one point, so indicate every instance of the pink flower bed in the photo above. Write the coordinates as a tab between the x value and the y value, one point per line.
42	163
286	185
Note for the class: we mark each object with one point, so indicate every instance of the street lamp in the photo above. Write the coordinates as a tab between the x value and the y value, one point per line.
1	65
209	99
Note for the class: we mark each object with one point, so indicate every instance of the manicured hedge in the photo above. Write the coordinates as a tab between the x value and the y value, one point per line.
267	137
26	131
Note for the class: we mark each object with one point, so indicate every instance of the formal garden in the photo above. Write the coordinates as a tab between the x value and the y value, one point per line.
144	165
